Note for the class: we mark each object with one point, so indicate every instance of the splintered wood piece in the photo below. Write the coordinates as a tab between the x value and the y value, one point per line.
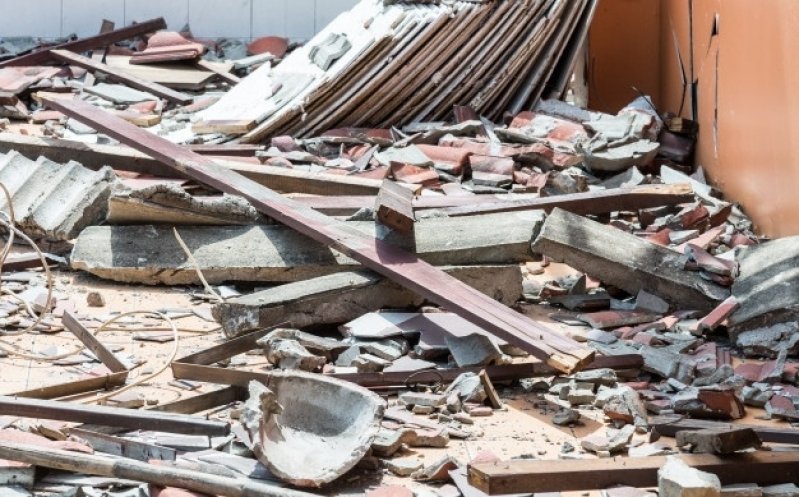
406	269
394	206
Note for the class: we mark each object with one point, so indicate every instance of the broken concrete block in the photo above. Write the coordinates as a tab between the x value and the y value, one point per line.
660	360
151	255
618	158
767	273
719	442
347	358
368	363
422	399
119	94
54	201
625	261
436	471
708	402
677	479
326	347
616	442
581	394
308	429
388	349
290	354
388	442
566	417
437	438
403	466
742	490
770	340
647	302
601	376
473	350
468	387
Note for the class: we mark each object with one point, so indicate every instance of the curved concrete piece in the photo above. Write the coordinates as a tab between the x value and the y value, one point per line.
309	429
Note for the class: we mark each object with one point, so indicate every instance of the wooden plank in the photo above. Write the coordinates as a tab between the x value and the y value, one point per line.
132	81
124	447
75	387
225	76
123	158
92	343
90	43
533	476
616	199
204	401
199	367
392	262
177	76
111	416
394	206
669	426
105	27
162	475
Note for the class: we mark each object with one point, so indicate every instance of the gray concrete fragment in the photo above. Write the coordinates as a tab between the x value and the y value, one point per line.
54	201
321	346
565	417
469	388
601	376
719	442
119	94
625	261
403	466
308	429
368	363
150	254
770	340
677	479
422	399
766	285
388	442
286	353
473	350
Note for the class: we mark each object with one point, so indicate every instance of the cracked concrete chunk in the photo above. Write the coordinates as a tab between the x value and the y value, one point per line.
473	350
677	479
565	417
403	466
286	353
436	471
321	346
308	429
469	388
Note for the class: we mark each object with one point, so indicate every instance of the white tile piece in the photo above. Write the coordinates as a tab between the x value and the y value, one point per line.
215	19
174	12
37	18
84	17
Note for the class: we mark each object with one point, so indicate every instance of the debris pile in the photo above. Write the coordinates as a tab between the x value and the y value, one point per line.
383	262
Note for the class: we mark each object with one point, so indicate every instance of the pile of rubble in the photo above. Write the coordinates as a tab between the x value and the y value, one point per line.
380	292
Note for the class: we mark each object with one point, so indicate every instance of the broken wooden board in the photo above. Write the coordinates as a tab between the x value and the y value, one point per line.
668	426
124	447
403	267
122	77
94	157
90	43
526	476
616	199
344	296
394	206
625	261
175	76
273	253
111	416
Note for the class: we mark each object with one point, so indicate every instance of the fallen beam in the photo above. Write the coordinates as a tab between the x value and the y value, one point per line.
344	296
616	199
625	261
533	476
132	449
200	367
90	43
392	262
669	426
277	254
122	77
162	475
123	158
111	416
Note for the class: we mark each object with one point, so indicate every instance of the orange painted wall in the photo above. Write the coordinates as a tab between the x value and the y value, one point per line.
739	56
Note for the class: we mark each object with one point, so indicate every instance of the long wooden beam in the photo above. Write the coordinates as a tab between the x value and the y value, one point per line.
94	156
115	74
534	476
111	416
406	269
669	426
615	199
90	43
162	475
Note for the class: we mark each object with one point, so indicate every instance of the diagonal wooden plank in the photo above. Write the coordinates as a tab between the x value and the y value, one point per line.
117	75
392	262
90	43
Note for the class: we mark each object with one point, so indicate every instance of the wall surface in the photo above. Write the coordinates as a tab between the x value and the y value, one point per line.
244	19
729	64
